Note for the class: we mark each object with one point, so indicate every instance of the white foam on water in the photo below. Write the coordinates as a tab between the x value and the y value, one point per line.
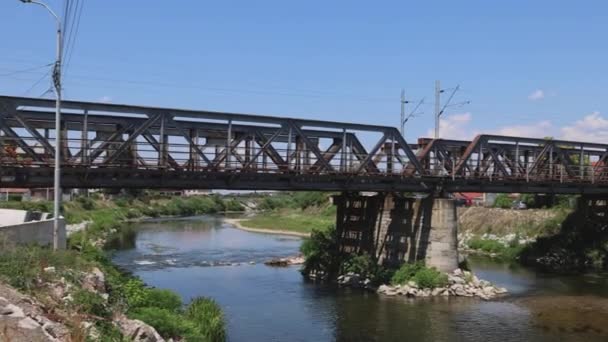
145	262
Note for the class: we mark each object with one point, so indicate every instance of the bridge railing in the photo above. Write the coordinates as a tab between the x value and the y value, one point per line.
182	157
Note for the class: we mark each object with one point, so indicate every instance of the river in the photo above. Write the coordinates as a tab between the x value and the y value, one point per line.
204	256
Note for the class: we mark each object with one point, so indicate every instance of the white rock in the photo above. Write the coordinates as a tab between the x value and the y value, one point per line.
50	269
94	281
12	310
501	290
412	284
28	323
137	330
383	288
457	272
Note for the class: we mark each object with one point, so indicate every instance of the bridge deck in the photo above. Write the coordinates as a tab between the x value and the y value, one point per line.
110	145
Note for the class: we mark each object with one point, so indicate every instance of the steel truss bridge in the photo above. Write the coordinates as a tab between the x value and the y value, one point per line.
122	146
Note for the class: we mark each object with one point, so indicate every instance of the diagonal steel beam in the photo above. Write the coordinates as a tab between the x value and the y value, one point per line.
103	146
372	152
42	140
408	152
138	131
472	148
566	161
194	146
497	162
330	153
264	144
75	157
313	148
359	151
156	145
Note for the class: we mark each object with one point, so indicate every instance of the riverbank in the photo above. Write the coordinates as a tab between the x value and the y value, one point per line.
117	305
242	224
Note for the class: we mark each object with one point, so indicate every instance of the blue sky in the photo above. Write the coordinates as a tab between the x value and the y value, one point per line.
535	68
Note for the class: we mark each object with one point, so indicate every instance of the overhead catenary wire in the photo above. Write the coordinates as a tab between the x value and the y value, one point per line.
73	34
27	70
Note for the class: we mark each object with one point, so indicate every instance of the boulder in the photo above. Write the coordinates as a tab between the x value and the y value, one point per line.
391	292
94	281
137	330
383	288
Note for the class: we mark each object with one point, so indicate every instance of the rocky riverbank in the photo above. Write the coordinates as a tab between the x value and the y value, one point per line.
460	283
25	318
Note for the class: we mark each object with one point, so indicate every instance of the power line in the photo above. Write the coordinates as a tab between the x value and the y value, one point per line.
28	70
26	93
73	34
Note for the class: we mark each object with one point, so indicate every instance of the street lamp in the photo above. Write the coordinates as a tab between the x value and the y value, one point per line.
57	85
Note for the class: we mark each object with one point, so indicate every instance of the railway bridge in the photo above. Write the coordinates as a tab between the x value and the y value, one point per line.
124	146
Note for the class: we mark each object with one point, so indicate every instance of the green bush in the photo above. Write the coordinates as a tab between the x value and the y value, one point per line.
208	319
86	203
430	278
423	276
486	245
406	272
233	205
166	322
503	201
162	299
202	320
90	303
321	253
307	199
363	264
511	251
272	203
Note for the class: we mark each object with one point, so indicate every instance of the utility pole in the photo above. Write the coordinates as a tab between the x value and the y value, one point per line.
439	110
403	102
57	85
437	107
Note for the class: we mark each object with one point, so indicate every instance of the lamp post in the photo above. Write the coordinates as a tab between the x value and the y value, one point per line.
57	85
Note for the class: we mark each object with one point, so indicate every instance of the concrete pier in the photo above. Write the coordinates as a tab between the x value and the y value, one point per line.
396	229
442	246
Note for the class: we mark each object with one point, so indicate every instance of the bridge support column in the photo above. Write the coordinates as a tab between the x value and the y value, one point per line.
442	252
397	229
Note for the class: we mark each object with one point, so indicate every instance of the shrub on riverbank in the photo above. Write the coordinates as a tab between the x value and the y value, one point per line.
512	250
321	253
202	320
423	276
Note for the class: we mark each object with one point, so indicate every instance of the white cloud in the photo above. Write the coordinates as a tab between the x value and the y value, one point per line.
454	127
535	130
105	99
536	95
592	128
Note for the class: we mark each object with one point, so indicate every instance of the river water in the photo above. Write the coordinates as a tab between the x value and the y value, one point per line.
204	256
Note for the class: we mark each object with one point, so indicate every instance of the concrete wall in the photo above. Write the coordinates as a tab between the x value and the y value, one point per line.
12	216
21	227
33	233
